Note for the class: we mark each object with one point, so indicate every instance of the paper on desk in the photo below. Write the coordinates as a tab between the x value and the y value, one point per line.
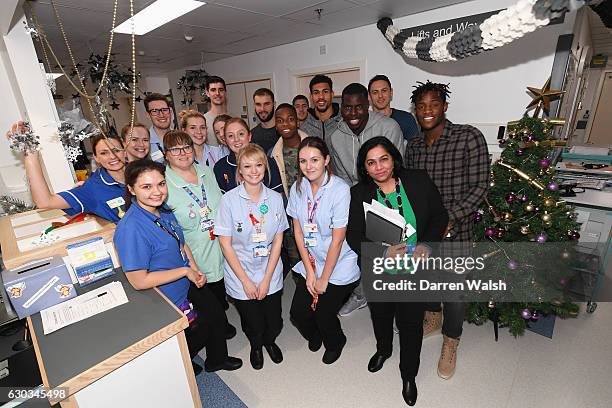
111	250
83	306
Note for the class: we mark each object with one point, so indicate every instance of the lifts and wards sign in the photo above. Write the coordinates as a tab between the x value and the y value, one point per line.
442	28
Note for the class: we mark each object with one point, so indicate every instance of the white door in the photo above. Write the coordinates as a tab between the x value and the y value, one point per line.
236	100
601	131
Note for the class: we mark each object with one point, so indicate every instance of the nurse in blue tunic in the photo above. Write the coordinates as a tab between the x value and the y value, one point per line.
250	226
328	273
103	192
152	250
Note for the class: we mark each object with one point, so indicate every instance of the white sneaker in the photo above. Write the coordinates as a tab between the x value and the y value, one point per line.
352	304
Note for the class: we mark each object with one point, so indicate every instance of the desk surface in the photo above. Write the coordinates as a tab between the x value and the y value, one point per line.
95	343
592	198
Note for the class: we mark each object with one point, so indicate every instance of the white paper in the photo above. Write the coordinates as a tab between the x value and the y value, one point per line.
111	251
81	307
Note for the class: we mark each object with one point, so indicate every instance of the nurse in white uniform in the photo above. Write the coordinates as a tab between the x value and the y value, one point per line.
250	225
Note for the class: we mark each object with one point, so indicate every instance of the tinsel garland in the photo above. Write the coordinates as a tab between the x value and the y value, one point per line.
496	31
11	205
71	139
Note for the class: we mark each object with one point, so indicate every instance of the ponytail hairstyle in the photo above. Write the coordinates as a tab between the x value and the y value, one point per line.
321	146
133	170
187	114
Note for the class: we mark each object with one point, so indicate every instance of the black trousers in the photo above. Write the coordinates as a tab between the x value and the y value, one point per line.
409	320
218	289
208	330
454	314
261	320
323	322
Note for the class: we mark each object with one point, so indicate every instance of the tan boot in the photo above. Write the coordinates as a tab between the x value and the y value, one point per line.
448	358
432	324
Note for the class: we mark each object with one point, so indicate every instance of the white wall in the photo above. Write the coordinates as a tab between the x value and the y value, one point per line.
486	89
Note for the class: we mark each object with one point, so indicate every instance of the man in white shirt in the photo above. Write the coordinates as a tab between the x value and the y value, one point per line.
216	92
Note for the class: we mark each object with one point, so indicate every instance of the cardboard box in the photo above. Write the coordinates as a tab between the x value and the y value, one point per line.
38	285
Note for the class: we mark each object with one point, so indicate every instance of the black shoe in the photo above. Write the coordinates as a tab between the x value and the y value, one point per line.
330	356
230	332
376	362
409	392
315	343
197	369
230	364
256	358
275	353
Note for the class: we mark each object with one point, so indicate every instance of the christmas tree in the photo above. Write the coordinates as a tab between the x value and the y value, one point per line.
522	215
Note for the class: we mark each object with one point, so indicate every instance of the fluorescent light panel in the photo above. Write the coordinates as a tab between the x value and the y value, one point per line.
157	14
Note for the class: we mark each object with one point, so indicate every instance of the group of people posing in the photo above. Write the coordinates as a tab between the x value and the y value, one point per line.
216	211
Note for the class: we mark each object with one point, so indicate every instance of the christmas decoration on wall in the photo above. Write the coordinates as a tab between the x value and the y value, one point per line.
496	31
11	205
190	82
523	206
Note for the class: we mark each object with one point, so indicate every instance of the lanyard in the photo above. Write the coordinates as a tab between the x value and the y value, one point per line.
398	195
312	209
195	197
173	234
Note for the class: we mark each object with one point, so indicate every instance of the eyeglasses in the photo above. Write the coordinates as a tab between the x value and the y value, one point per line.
176	151
161	111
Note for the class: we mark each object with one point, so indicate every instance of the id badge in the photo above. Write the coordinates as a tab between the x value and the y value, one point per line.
115	202
259	237
310	228
157	155
260	251
310	242
204	212
207	225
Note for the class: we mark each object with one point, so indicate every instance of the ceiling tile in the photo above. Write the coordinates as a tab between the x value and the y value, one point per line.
223	18
396	9
310	14
273	8
202	36
351	18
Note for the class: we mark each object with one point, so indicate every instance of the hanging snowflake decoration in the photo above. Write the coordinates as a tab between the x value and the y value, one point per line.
51	83
24	140
71	139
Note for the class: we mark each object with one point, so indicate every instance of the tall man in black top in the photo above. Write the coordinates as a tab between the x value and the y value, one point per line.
457	160
324	116
264	134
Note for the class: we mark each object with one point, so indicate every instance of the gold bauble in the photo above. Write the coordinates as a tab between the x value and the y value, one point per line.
549	171
541	173
549	202
524	229
546	217
565	254
507	217
548	223
492	183
529	207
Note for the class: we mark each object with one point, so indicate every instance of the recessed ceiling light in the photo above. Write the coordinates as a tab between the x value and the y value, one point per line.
157	14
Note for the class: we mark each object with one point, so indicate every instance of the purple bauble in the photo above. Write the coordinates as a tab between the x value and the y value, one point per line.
526	314
512	264
544	163
523	198
552	186
530	138
541	238
519	152
535	316
477	217
500	233
490	232
537	208
510	198
502	142
563	281
575	235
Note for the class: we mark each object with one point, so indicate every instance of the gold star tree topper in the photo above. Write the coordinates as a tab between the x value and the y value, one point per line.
542	97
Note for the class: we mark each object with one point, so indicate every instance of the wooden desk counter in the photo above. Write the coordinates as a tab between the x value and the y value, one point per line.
132	355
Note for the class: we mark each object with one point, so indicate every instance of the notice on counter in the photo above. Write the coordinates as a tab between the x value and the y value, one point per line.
81	307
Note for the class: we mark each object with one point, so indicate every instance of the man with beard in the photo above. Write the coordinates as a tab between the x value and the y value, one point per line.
215	91
264	134
358	125
457	160
381	95
160	115
324	116
300	103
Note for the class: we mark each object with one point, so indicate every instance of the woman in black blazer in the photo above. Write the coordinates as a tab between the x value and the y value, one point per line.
411	192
